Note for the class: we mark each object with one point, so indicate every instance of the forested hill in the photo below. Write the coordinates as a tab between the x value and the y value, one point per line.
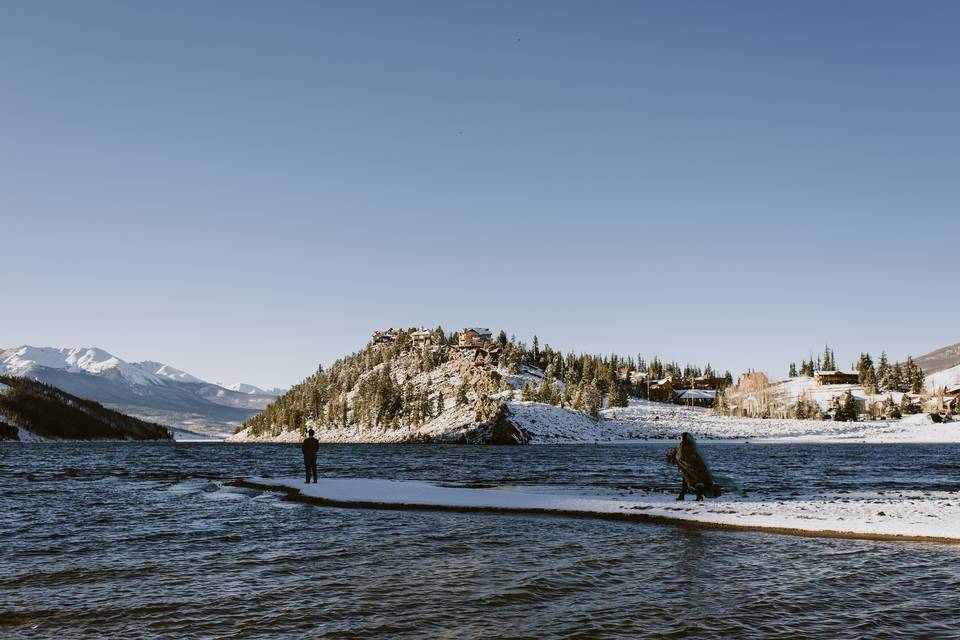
48	412
418	385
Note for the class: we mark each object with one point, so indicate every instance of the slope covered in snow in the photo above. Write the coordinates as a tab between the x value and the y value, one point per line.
946	378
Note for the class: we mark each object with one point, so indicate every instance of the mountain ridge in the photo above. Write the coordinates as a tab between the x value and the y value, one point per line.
30	410
147	389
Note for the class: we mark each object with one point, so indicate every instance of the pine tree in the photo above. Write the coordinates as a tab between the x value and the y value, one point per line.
793	370
890	409
592	401
461	398
906	405
896	377
913	376
846	408
829	363
440	405
884	373
867	374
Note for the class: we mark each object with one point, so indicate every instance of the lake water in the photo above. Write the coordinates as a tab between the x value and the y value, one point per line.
133	540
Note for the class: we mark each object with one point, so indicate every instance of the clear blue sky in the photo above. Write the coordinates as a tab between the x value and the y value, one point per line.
245	189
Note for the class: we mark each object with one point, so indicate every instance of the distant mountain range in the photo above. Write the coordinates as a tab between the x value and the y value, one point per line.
150	390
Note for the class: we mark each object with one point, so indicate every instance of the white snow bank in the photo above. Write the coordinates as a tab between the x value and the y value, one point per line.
898	514
946	378
643	419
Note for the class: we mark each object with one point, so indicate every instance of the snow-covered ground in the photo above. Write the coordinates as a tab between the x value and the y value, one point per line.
643	420
893	514
946	378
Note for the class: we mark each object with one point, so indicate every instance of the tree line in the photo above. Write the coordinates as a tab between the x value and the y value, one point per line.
875	378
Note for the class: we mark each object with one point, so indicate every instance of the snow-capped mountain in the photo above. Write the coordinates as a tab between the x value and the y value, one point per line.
147	389
166	371
21	361
249	388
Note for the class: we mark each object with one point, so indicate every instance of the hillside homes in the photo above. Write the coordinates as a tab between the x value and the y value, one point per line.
835	377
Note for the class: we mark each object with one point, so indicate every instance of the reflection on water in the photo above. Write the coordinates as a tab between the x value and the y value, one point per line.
133	540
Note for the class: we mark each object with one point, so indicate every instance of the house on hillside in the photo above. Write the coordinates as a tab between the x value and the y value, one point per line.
475	337
835	377
696	397
384	337
421	339
709	383
661	390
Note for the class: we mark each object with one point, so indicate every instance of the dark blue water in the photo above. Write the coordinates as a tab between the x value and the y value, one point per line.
133	540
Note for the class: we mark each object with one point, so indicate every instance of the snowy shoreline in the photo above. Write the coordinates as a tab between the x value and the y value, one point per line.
907	516
644	421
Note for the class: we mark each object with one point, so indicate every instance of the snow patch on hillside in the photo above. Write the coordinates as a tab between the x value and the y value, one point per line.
166	371
241	387
946	378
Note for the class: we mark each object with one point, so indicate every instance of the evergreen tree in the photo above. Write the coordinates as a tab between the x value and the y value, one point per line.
846	408
793	370
867	373
884	373
896	377
906	405
913	376
890	409
461	398
592	401
829	363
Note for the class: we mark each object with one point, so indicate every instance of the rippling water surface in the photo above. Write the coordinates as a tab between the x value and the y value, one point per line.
144	540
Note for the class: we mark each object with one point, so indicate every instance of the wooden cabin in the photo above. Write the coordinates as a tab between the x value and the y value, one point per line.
475	337
709	383
661	390
835	377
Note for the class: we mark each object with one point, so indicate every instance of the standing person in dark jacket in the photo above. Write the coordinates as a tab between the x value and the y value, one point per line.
310	446
693	469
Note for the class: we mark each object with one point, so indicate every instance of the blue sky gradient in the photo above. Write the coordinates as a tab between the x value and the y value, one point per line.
245	189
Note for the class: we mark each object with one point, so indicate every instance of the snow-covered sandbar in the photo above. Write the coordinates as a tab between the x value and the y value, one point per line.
928	516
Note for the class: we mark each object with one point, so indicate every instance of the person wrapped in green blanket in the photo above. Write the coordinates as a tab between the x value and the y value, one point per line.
696	475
